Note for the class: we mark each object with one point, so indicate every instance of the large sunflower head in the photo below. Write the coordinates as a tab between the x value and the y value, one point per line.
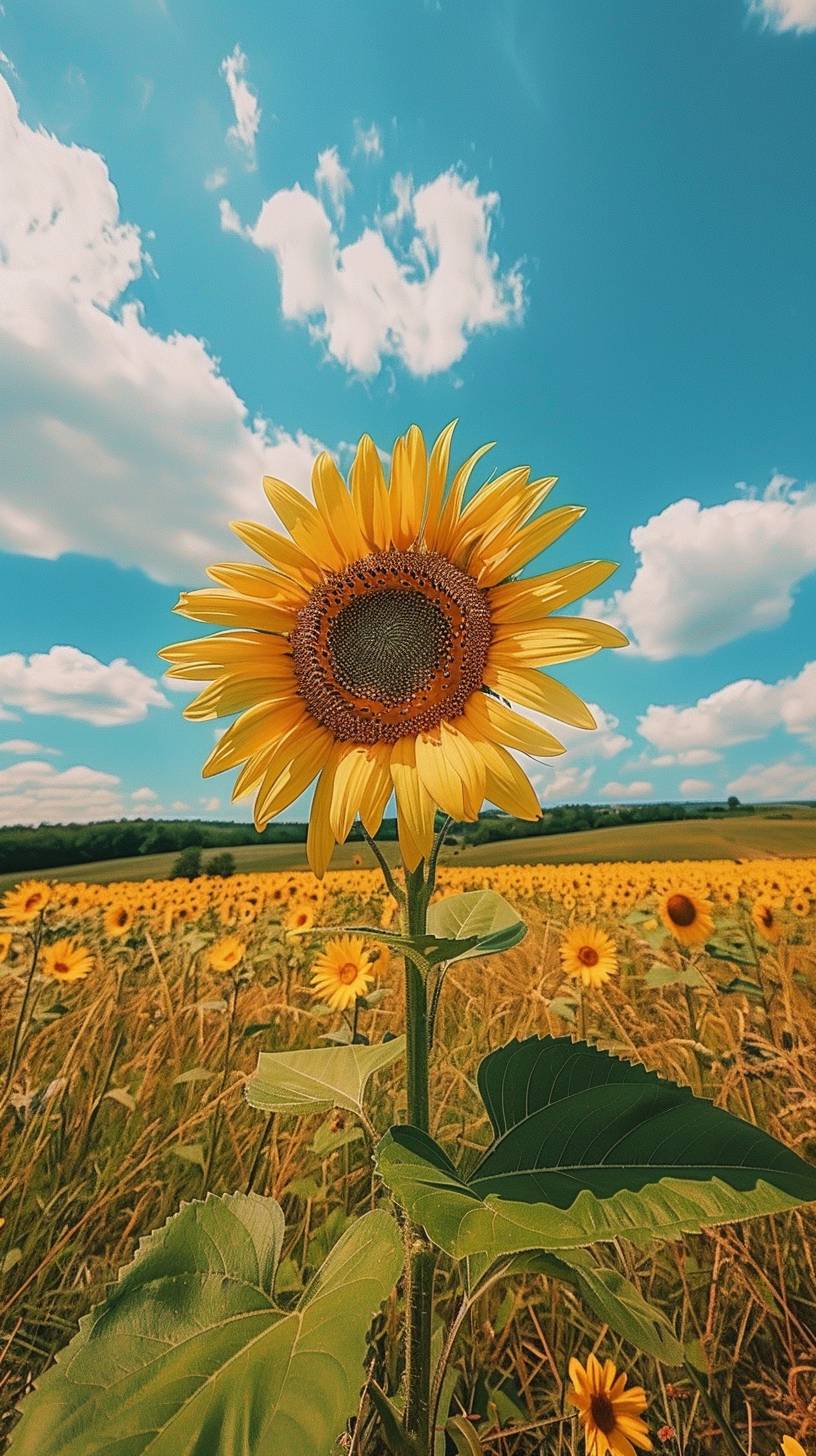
379	646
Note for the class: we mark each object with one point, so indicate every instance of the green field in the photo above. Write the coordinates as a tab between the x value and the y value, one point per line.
742	837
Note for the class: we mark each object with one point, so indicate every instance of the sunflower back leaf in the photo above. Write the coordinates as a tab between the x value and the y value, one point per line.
314	1081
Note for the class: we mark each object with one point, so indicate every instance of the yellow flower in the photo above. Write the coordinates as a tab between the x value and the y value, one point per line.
687	915
299	917
589	954
118	919
610	1414
5	944
800	906
765	918
225	954
374	648
26	900
342	972
66	960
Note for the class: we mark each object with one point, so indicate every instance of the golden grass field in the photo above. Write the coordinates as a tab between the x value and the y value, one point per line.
124	1076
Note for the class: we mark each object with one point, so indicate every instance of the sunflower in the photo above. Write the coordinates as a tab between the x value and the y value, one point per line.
610	1414
800	906
299	917
26	900
118	919
687	915
5	944
589	954
225	954
766	920
376	648
342	972
66	960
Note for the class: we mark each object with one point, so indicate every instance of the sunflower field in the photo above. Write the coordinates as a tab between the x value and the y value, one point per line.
139	1020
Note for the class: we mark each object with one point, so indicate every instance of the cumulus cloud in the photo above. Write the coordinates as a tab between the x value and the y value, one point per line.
693	788
688	756
244	129
787	779
368	141
26	746
115	440
333	181
419	296
707	575
738	713
780	15
35	792
71	684
638	789
560	779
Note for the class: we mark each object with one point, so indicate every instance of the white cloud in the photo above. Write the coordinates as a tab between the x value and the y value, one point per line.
210	804
692	788
179	806
368	141
638	789
115	441
333	181
738	713
797	15
144	796
564	784
26	746
688	757
787	779
216	179
71	684
34	792
707	575
244	130
419	298
560	779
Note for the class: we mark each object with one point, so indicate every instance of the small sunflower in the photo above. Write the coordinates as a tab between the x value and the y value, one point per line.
118	920
342	972
225	954
5	944
610	1414
687	915
800	907
765	918
66	960
26	900
378	647
299	917
589	955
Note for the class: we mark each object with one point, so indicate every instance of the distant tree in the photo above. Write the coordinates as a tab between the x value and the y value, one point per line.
188	864
222	864
733	801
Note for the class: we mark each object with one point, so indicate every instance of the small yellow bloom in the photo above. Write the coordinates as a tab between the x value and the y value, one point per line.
800	906
118	920
226	953
791	1447
66	960
687	915
766	920
342	972
299	917
610	1414
5	944
589	954
26	900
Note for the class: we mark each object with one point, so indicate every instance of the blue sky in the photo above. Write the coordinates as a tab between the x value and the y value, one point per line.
230	235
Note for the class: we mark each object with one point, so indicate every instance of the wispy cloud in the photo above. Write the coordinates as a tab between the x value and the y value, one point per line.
244	129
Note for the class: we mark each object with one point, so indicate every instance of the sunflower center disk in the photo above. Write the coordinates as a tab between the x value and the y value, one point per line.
391	646
603	1413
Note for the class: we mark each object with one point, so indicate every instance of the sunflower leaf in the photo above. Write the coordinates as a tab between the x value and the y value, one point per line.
315	1081
481	921
190	1352
588	1147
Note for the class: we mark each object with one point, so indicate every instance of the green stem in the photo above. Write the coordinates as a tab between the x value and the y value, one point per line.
21	1019
730	1438
420	1258
216	1127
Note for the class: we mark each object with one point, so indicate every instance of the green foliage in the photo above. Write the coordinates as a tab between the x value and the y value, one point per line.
190	1352
481	918
314	1081
587	1148
188	864
222	865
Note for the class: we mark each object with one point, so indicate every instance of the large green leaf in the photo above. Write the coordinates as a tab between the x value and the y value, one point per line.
480	916
586	1148
312	1081
189	1353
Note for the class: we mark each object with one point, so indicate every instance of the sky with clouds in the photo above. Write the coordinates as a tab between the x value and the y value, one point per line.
227	242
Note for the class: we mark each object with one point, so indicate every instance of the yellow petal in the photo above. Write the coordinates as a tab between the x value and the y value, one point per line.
506	784
415	807
294	764
222	649
225	609
378	789
439	535
259	581
319	838
356	767
469	765
370	495
518	601
437	477
254	730
233	692
534	689
409	483
497	723
531	540
335	506
304	523
278	549
439	775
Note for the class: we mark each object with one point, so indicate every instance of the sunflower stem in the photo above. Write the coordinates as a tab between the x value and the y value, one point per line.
216	1124
21	1019
387	874
420	1259
730	1438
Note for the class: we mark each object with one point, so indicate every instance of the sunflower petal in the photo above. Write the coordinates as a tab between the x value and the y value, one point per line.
370	495
499	724
534	689
224	608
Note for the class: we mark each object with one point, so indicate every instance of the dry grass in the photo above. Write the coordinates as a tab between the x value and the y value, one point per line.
105	1118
